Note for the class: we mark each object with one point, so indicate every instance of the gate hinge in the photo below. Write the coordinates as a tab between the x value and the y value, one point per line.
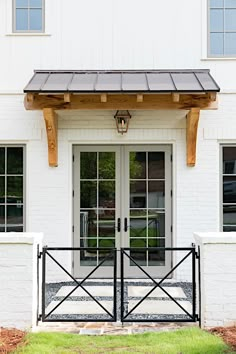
40	254
197	318
73	228
73	158
39	317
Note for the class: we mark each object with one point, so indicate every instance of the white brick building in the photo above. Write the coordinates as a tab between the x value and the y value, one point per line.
117	35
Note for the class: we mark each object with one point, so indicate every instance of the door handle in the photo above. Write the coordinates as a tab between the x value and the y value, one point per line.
118	224
126	224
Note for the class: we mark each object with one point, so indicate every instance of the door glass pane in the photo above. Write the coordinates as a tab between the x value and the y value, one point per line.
21	19
15	189
15	161
107	165
88	194
139	256
106	223
229	189
217	20
137	165
156	194
35	19
229	160
156	258
88	224
138	223
107	194
88	165
156	165
138	194
88	258
156	223
2	161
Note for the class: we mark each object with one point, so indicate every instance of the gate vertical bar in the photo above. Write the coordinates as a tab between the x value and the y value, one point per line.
199	288
121	285
115	285
43	283
194	282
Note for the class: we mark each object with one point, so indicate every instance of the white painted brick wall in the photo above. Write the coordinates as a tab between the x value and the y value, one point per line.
218	278
196	205
18	279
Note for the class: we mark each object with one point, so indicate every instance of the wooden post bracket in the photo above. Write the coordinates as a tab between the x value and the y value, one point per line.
191	135
50	119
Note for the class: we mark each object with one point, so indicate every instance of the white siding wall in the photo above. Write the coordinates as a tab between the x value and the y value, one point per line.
112	34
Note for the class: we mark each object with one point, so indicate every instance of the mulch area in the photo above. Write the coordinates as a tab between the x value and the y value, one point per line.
10	339
228	334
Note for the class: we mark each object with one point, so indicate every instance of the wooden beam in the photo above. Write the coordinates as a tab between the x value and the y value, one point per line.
67	97
212	96
104	98
191	135
121	102
139	98
30	97
175	97
50	119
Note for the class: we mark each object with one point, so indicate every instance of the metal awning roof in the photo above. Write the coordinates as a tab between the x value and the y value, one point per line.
128	81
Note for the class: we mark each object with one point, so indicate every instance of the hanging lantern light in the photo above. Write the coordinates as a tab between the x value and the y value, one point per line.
122	121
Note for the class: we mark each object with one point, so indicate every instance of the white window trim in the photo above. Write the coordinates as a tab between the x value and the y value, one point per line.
205	37
10	22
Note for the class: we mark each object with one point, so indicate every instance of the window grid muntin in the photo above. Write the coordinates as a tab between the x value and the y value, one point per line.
224	8
5	204
28	8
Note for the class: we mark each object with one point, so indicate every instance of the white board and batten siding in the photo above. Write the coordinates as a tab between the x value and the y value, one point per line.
112	34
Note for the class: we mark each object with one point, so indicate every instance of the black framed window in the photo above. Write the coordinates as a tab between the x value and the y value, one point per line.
12	188
229	188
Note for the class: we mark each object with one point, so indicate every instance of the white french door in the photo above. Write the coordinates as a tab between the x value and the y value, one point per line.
122	198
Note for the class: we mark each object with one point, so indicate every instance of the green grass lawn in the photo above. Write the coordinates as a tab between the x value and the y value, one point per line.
186	341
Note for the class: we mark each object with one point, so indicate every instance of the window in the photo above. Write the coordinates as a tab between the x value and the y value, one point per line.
11	189
222	28
28	16
229	188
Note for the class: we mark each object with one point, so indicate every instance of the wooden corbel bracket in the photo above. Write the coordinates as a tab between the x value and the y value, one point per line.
50	119
191	135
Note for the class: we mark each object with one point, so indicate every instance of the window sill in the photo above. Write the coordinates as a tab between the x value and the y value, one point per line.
30	34
218	58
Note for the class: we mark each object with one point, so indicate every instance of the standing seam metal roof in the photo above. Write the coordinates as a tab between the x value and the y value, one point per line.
127	81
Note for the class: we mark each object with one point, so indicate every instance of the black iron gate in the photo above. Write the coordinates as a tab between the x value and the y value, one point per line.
124	299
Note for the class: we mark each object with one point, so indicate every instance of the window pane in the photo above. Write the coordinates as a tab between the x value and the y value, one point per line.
21	3
217	3
14	214
88	194
229	190
15	190
138	223
2	214
35	19
229	160
15	161
106	223
138	194
88	165
230	3
229	215
156	224
21	20
88	224
35	3
216	44
137	165
216	20
2	161
107	165
156	165
230	43
229	228
15	229
2	189
230	20
156	194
